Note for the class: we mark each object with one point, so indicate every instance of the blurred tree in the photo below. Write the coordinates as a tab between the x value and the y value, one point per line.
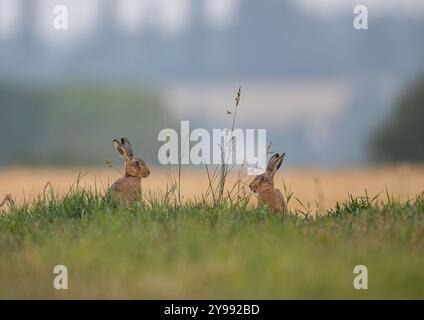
22	122
27	35
75	125
401	136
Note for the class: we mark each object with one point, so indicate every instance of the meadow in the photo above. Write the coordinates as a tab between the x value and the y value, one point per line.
160	248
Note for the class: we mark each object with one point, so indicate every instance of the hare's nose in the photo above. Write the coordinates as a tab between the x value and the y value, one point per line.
145	173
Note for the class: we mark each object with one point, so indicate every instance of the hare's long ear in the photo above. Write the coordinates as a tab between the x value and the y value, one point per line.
274	164
120	148
127	146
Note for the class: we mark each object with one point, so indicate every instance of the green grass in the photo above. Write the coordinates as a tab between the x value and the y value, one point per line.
155	250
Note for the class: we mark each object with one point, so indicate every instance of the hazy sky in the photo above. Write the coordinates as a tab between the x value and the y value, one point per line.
172	15
376	7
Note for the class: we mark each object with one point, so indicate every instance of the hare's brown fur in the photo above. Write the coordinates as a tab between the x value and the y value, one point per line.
128	188
263	185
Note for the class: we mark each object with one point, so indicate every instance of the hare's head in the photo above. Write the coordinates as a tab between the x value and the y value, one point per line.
134	167
266	180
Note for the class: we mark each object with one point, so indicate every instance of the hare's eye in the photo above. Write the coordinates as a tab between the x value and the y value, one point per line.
261	178
137	163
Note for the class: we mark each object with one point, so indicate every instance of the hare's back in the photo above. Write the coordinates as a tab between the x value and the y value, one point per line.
128	188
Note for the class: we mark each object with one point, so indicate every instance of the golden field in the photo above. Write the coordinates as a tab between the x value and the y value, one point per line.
198	252
313	186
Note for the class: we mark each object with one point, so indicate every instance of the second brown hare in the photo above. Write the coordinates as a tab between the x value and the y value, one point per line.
263	185
128	188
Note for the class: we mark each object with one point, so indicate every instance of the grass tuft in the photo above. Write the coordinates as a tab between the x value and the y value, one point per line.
159	248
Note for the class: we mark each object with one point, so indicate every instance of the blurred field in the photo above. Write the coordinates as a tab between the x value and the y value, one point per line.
316	187
157	250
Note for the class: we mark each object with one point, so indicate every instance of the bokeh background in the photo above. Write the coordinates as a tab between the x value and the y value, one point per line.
329	95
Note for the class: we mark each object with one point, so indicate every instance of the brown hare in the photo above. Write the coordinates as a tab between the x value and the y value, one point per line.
263	185
128	188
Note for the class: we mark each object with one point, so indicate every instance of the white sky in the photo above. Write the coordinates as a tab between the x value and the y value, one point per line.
172	15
